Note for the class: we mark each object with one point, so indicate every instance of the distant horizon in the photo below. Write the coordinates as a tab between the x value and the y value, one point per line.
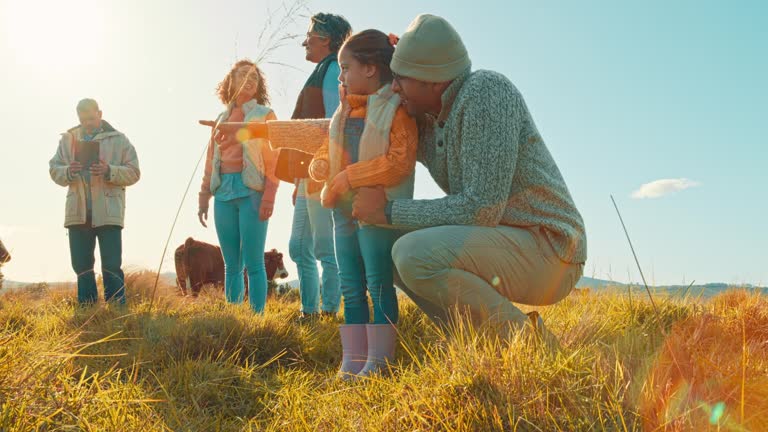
582	280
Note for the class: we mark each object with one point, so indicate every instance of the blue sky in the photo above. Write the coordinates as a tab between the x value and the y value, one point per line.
623	94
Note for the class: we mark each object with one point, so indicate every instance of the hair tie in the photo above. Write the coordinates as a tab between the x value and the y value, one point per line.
393	39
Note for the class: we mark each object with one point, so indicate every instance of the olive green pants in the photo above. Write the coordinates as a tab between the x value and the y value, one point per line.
481	271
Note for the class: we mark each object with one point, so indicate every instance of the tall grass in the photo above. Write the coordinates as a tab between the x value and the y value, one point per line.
206	365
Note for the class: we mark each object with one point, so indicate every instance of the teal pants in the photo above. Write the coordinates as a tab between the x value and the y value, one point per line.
242	237
312	241
364	256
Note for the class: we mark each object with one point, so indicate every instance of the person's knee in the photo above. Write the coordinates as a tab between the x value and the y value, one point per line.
357	299
111	273
112	264
379	274
299	249
81	268
83	264
324	250
231	270
256	270
294	249
411	258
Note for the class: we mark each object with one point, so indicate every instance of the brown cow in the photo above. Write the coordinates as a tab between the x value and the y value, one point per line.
5	256
199	263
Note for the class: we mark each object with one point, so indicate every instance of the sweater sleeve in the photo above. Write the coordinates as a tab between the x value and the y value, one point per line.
304	135
270	161
398	163
489	143
205	189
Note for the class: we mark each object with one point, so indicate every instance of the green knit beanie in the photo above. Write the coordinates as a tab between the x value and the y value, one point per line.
430	50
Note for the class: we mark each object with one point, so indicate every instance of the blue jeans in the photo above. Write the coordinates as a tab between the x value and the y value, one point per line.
312	240
364	254
82	245
242	237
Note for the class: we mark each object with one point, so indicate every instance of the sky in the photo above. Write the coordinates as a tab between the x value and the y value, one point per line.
660	104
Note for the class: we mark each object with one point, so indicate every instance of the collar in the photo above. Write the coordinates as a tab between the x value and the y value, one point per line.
450	94
94	132
357	101
250	105
105	128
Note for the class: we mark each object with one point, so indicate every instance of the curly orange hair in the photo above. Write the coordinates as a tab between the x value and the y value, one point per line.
226	91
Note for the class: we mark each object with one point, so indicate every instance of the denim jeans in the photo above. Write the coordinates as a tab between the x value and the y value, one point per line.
312	241
364	255
242	237
82	245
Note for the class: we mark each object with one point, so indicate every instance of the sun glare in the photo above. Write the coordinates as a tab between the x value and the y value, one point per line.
53	33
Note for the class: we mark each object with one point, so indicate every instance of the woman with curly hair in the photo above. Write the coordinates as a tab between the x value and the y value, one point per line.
239	174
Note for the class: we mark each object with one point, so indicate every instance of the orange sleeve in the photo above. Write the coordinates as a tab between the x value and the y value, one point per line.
205	189
304	135
398	163
270	162
322	153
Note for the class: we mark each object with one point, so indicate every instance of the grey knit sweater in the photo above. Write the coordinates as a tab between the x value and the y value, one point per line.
485	153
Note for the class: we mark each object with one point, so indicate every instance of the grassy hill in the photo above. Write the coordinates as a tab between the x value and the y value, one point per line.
203	365
694	290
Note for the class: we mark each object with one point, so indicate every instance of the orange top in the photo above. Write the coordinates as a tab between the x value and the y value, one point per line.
230	148
389	169
231	161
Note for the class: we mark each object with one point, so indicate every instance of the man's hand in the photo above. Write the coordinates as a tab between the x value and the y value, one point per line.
202	216
369	205
340	184
75	168
265	210
224	139
221	126
319	170
99	169
295	195
255	129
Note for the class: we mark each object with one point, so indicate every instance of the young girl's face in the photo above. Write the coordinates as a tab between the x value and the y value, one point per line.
355	77
246	80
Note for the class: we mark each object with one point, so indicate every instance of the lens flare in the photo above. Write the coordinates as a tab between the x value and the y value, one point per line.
243	135
710	370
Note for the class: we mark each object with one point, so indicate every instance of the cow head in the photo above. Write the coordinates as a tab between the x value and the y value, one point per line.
274	260
5	256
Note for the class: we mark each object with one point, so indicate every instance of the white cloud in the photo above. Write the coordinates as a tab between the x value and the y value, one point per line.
661	187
